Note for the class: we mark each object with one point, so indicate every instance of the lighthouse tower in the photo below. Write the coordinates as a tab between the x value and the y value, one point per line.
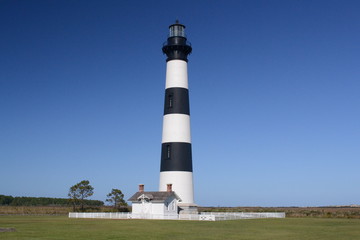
176	158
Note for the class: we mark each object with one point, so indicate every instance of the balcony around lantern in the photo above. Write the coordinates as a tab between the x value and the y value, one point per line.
186	43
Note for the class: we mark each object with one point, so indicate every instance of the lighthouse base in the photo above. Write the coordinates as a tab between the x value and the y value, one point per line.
182	184
187	208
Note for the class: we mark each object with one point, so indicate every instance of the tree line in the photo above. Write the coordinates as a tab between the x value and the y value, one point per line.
77	198
42	201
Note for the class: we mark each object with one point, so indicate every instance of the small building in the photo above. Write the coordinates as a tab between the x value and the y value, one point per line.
157	205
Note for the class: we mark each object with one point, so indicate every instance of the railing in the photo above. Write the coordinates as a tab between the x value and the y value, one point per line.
203	216
188	43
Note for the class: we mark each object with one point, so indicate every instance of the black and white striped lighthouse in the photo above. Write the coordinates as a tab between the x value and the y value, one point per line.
176	158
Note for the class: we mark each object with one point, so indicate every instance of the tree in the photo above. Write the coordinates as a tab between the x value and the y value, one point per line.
6	200
79	192
116	197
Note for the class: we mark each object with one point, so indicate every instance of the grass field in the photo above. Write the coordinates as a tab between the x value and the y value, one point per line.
61	227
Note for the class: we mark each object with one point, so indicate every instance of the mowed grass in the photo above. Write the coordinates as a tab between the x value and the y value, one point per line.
61	227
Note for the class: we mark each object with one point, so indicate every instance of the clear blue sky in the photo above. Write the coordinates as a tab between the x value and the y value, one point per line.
274	97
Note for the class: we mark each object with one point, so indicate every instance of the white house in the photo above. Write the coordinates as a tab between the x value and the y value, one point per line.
155	205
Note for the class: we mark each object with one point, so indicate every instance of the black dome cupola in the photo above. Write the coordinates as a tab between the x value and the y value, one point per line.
177	46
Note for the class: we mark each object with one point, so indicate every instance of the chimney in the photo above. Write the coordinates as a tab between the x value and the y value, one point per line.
141	187
169	187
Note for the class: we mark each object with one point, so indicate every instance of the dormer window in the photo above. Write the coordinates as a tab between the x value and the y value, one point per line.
144	198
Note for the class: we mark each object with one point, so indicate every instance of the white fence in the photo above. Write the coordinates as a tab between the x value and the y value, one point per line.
218	216
116	215
109	215
203	216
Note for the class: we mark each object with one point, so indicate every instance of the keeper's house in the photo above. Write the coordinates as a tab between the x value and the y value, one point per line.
155	205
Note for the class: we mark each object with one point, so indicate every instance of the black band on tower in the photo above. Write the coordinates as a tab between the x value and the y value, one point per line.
176	156
176	101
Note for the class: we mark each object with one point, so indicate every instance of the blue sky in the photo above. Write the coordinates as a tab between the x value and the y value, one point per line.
274	98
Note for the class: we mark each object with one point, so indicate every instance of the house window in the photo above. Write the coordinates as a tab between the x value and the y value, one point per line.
168	151
169	207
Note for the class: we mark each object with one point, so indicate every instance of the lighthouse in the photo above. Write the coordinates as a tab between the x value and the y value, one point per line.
176	157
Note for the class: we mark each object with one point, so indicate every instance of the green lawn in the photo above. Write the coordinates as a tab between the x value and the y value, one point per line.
61	227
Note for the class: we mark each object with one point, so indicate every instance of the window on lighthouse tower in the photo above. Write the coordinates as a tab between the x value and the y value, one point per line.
168	151
171	101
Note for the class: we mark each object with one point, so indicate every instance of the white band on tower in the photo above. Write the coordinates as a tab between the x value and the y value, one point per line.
176	74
